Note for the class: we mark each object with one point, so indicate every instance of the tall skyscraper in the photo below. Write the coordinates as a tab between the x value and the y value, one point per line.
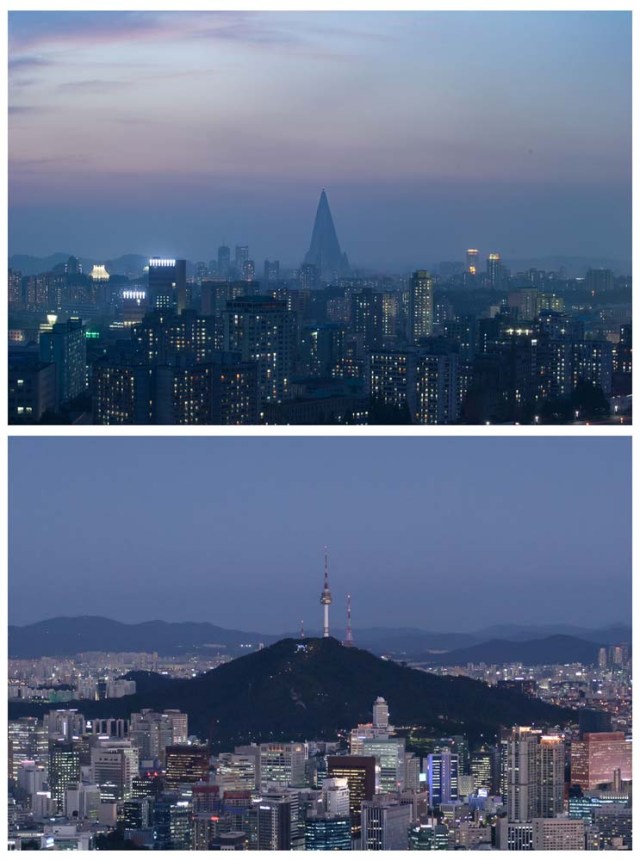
360	772
534	774
65	346
494	270
64	769
262	330
168	283
271	270
473	261
324	252
224	261
442	777
381	714
420	306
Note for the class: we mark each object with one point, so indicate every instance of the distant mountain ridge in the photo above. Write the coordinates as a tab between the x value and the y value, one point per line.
31	265
300	689
63	636
556	649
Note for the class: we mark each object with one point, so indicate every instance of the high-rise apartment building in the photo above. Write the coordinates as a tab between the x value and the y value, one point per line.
420	306
262	330
65	346
64	769
534	773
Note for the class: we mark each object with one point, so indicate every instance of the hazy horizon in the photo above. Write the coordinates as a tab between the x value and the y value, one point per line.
431	131
337	633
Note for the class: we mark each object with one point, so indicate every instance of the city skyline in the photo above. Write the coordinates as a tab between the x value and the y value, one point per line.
545	172
522	504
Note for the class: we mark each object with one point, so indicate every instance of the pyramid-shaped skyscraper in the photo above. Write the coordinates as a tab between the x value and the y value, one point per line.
324	251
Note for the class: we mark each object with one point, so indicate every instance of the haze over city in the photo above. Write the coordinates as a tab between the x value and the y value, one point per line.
168	132
440	534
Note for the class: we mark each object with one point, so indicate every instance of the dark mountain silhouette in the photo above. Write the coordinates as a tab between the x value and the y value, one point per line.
68	636
30	265
315	688
558	649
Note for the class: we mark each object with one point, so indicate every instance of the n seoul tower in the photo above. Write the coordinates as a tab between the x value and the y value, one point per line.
325	598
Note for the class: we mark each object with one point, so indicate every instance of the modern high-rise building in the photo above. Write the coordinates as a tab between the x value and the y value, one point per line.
335	796
367	318
324	251
385	824
442	777
283	763
473	261
64	769
114	764
276	822
495	270
420	306
224	261
262	330
381	714
168	283
592	362
152	732
186	764
599	281
389	753
271	270
65	346
597	756
534	774
437	399
28	740
360	773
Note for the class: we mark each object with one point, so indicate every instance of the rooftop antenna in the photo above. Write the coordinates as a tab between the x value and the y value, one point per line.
302	629
349	637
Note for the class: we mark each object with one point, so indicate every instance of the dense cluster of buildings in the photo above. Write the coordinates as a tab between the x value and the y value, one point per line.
97	675
114	783
215	344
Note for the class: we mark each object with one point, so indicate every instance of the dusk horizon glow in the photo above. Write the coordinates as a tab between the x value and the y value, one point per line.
170	132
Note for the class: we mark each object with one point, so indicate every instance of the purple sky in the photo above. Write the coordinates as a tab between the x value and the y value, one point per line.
165	132
438	533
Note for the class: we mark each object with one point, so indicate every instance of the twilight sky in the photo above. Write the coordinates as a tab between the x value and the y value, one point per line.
167	132
438	533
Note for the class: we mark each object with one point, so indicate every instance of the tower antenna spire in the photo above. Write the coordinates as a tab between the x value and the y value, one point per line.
302	629
325	598
348	640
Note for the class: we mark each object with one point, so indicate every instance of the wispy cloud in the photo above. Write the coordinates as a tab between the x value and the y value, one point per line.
25	109
93	86
19	64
